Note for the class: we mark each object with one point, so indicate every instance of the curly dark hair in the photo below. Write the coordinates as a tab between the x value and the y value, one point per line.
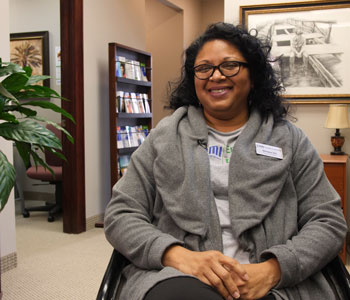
266	92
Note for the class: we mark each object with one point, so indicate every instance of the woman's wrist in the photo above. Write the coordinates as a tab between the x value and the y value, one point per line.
171	256
274	271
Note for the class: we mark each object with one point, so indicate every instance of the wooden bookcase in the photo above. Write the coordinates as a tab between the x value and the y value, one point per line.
127	85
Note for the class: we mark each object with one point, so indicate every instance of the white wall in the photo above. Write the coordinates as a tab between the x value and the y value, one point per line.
7	216
310	118
192	11
212	11
108	21
164	39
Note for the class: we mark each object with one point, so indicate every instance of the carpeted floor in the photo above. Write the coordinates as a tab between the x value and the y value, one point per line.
53	265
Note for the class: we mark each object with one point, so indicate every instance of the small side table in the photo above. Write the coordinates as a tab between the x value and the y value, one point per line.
335	168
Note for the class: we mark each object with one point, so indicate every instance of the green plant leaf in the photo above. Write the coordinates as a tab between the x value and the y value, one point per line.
26	111
6	93
57	153
30	132
23	110
59	127
37	78
28	70
37	91
7	68
7	179
15	82
8	117
52	106
24	151
39	161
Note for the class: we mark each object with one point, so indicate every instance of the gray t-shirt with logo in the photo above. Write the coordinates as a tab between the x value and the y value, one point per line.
220	148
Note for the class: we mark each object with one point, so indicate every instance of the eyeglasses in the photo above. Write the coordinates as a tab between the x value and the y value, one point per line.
226	68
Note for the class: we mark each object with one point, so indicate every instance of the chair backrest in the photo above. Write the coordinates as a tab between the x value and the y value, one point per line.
50	158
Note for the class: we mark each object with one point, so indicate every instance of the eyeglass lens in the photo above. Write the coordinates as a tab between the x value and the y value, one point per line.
228	69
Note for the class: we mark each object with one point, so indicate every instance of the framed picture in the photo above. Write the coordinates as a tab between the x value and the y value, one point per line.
309	45
31	49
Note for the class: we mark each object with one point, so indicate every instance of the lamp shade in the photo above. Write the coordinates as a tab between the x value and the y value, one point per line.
337	116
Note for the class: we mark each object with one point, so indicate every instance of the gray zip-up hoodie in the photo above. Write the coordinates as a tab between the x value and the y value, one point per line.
284	208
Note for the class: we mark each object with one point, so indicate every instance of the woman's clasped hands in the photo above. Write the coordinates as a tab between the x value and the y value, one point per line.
230	278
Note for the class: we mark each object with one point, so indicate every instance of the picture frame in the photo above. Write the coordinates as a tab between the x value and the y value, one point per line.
31	48
307	47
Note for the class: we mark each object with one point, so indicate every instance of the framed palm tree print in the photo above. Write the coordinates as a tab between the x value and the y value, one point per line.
31	49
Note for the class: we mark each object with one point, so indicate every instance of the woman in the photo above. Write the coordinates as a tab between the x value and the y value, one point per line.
225	199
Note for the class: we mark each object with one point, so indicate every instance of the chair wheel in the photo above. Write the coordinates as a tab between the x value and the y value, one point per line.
51	218
25	214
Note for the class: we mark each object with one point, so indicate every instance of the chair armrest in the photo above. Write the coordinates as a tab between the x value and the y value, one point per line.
111	279
338	278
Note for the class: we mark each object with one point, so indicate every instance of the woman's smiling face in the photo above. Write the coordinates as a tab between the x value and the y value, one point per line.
223	98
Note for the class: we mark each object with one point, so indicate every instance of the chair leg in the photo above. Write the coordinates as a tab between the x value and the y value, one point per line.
52	209
58	206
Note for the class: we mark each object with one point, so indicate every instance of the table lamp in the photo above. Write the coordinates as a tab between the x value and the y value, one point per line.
337	118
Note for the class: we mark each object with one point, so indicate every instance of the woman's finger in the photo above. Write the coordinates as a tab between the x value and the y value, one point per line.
227	280
234	267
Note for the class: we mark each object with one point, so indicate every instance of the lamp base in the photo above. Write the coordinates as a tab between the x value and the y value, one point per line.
337	153
337	142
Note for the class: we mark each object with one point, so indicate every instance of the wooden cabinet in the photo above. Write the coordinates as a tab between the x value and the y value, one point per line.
120	83
335	167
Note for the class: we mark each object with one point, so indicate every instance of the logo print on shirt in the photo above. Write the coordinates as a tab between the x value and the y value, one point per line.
220	152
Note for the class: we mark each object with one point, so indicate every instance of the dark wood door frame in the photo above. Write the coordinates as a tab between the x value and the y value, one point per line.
72	88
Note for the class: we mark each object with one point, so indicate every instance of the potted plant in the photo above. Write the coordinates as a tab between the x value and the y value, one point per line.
19	122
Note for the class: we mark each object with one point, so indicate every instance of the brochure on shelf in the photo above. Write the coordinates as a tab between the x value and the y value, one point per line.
135	107
120	66
143	71
138	73
123	162
131	136
147	107
140	103
128	103
130	69
120	101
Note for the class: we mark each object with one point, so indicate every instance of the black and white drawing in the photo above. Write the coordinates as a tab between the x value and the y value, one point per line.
311	47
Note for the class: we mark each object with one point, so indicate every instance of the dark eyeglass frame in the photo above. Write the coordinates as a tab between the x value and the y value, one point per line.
240	63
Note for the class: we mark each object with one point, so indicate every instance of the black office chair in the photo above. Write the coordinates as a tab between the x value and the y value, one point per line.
335	273
40	173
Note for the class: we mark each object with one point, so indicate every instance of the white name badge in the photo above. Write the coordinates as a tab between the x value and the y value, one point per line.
267	150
